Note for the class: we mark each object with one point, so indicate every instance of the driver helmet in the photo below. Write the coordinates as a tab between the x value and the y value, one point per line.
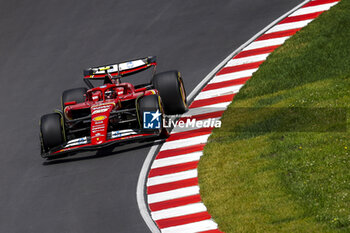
109	94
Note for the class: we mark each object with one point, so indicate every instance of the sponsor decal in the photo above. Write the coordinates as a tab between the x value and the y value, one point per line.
116	134
99	119
81	140
104	68
102	106
76	142
152	120
98	128
122	133
100	111
98	135
130	64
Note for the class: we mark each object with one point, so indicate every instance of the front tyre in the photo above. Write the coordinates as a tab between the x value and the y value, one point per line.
149	107
51	131
172	91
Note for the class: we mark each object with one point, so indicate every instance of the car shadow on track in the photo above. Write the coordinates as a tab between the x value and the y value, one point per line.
108	151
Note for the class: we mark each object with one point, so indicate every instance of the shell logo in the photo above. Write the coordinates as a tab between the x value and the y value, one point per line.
99	118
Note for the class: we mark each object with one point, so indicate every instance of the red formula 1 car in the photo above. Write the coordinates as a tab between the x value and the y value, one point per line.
116	112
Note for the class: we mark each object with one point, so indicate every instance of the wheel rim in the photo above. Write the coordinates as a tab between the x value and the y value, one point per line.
182	92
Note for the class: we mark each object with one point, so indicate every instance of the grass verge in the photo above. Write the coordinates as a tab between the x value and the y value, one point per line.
280	162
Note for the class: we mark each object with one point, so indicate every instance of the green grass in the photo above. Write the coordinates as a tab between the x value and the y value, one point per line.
267	170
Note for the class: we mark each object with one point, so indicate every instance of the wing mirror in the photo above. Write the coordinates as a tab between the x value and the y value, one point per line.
70	103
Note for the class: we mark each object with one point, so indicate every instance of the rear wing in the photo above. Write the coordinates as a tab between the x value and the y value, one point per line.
120	69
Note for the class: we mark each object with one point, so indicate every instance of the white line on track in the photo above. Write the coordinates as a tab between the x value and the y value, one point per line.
173	194
179	211
218	92
177	159
232	76
246	60
172	177
208	108
289	26
313	9
205	225
140	196
266	43
185	142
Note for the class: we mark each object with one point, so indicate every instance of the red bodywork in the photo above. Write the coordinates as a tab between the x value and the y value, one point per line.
100	102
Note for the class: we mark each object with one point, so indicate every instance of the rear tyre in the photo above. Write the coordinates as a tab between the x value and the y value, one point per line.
51	131
172	91
146	105
75	94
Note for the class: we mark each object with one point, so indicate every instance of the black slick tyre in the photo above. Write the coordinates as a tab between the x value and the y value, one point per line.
51	131
146	104
172	91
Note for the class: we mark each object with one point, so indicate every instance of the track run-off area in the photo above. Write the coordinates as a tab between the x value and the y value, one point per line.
173	194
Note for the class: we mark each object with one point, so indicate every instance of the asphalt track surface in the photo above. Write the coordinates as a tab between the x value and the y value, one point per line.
45	44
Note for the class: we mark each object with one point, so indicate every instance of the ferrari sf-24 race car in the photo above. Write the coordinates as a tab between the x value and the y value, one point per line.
116	112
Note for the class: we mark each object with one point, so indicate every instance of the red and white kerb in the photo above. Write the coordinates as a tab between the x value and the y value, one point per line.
172	186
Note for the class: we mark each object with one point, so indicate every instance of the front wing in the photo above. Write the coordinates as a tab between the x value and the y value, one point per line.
113	138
